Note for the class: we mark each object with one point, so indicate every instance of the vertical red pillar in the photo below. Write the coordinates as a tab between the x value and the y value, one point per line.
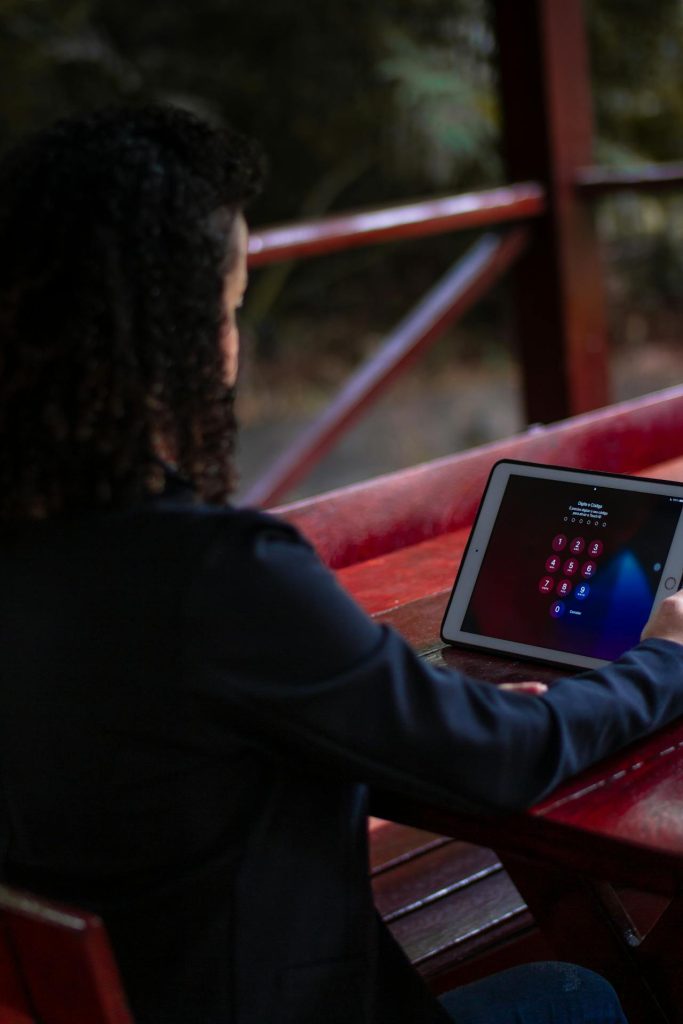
559	310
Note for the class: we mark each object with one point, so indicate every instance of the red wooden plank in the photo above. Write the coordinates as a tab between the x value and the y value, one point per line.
635	795
415	876
14	1004
357	523
392	844
445	303
541	838
68	985
406	575
418	622
409	220
644	177
65	961
430	932
423	880
671	469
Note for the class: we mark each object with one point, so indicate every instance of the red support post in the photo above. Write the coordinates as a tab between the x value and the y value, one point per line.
559	304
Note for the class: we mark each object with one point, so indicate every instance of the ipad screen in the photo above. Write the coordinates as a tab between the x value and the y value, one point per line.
572	567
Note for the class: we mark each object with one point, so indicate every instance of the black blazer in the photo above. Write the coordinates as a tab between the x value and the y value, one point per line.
192	713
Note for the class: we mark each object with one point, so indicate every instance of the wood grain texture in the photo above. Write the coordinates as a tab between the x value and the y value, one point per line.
357	523
454	921
396	579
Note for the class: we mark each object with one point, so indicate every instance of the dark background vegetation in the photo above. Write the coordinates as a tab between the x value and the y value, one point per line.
362	102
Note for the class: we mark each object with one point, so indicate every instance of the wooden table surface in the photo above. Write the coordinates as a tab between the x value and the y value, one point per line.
618	824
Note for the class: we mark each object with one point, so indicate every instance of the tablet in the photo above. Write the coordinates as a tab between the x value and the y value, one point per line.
565	565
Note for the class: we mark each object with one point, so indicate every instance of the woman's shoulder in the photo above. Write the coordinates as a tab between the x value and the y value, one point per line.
179	506
231	521
246	539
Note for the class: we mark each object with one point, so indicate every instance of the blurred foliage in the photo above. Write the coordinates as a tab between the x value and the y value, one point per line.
361	101
445	111
637	51
341	92
405	87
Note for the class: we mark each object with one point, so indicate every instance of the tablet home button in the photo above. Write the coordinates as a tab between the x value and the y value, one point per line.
670	583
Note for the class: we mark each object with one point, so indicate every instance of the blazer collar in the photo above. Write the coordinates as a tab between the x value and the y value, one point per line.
177	488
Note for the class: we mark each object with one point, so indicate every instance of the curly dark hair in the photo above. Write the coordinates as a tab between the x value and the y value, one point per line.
115	232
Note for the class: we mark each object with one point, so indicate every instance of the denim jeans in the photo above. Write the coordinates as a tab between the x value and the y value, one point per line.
541	993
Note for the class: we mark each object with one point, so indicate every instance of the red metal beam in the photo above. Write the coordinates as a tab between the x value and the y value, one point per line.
410	220
448	300
646	177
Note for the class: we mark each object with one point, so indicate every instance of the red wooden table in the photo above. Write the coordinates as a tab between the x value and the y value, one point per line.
599	863
618	824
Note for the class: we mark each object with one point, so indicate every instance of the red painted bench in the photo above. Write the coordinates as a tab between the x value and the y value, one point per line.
56	965
396	542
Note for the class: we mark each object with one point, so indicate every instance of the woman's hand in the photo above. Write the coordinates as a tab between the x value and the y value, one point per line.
531	687
666	620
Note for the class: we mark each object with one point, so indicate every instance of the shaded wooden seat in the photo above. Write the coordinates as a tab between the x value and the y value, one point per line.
56	965
450	904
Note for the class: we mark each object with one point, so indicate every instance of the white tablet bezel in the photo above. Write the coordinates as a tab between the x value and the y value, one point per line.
481	533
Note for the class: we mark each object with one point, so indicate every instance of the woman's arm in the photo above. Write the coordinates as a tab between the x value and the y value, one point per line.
281	652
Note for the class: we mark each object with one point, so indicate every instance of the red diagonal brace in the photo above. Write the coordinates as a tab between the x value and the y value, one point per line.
445	303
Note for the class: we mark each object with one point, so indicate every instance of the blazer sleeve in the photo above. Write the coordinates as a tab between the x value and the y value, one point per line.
279	652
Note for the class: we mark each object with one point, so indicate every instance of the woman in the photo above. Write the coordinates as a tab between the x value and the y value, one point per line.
173	755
